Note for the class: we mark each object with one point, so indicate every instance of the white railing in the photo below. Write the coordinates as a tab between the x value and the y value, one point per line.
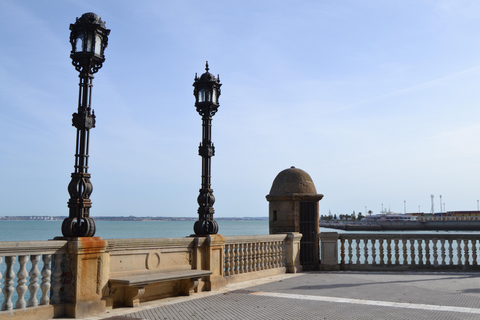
243	254
368	251
30	273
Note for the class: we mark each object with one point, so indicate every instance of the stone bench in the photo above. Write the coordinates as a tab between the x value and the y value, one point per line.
134	285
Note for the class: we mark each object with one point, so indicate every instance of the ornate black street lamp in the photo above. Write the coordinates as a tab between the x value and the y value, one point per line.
207	91
89	39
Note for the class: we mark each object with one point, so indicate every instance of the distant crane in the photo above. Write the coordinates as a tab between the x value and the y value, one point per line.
433	210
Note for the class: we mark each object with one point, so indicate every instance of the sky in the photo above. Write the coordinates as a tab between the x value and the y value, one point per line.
378	101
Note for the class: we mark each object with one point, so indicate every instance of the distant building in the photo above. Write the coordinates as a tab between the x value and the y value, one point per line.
390	217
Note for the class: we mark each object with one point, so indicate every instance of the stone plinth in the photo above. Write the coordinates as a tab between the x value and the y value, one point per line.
329	251
86	277
210	256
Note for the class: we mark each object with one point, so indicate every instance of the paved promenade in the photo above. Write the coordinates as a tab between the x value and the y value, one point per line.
326	295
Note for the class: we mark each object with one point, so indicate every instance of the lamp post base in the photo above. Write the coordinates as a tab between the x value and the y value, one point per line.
205	227
73	227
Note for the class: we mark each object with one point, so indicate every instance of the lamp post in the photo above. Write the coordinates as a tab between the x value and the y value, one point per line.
206	92
88	38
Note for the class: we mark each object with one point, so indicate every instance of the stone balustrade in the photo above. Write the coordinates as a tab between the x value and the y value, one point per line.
71	278
249	254
46	279
31	275
381	251
250	257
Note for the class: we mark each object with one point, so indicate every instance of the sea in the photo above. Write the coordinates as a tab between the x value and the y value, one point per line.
33	230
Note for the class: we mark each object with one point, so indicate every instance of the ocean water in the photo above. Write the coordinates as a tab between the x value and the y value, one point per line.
45	230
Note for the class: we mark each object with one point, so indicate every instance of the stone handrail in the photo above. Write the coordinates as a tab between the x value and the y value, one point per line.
380	251
43	275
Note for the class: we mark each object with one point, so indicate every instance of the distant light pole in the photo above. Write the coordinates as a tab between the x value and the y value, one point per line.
404	206
88	38
206	92
441	207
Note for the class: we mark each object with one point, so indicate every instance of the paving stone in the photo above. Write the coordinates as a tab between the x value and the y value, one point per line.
336	295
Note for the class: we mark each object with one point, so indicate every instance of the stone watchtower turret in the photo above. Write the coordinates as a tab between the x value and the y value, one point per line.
293	207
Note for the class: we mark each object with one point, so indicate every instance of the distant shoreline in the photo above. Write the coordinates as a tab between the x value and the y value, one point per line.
130	218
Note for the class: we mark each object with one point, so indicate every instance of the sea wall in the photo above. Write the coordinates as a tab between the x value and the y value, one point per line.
405	226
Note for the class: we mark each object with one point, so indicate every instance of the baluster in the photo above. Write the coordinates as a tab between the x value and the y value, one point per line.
466	251
33	286
342	251
442	250
243	257
56	279
427	252
420	252
275	254
474	252
404	252
253	257
450	251
8	288
46	272
238	258
21	282
257	256
267	255
459	252
389	252
232	259
397	251
270	252
435	253
350	251
282	253
374	251
250	257
261	261
272	255
412	252
382	254
357	251
365	249
227	260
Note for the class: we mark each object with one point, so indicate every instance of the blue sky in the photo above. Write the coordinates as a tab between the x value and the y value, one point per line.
377	100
